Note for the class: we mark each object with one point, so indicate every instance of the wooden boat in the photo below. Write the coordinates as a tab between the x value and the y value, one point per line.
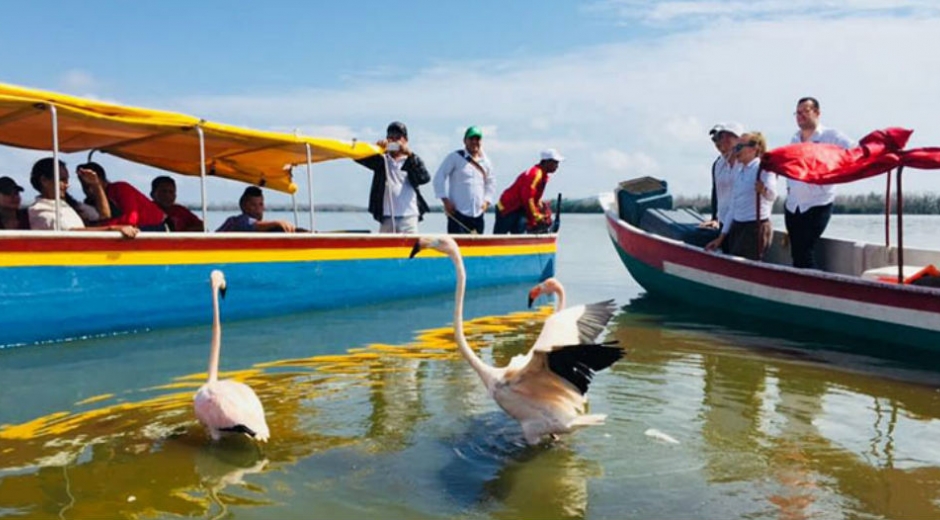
855	292
66	285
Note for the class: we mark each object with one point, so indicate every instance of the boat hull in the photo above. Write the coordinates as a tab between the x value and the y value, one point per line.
60	287
847	305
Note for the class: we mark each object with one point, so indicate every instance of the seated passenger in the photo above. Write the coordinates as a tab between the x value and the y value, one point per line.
127	204
520	208
42	213
251	219
749	234
163	192
12	216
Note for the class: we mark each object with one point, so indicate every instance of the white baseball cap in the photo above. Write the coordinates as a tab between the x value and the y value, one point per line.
732	128
551	154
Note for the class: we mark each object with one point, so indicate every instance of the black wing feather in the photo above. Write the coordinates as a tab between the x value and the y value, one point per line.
578	363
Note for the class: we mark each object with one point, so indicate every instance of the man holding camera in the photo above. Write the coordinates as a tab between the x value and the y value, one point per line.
395	200
520	208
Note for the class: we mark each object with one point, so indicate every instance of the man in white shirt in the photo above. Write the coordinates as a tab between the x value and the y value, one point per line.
724	136
466	185
809	206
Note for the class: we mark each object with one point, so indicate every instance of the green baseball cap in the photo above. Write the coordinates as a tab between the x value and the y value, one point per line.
473	132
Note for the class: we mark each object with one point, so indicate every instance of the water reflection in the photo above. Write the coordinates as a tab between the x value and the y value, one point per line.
807	430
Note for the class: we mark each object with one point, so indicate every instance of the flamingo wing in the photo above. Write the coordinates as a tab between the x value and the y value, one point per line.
231	406
575	326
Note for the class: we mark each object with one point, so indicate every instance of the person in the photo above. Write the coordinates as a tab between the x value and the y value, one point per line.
42	212
809	206
252	216
466	185
12	216
163	193
724	136
748	231
395	200
127	205
520	208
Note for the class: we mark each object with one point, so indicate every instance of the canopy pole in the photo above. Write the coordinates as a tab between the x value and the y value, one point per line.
293	200
310	183
888	212
55	167
202	179
900	218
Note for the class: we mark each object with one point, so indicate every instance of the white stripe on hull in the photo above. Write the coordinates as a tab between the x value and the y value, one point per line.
882	313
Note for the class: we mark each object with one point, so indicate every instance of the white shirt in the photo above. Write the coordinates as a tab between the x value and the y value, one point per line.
802	195
400	198
724	181
42	215
465	186
744	196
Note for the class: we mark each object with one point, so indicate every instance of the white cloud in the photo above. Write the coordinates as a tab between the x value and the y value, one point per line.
77	80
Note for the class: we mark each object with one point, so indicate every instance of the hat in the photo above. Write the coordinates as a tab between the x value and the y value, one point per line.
473	132
8	186
736	129
397	127
551	154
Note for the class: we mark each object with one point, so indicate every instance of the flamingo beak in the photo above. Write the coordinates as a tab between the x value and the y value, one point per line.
533	295
222	291
415	250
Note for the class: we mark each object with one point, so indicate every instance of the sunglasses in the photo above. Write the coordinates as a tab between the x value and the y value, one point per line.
740	146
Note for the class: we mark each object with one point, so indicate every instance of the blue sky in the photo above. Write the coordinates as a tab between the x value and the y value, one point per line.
622	87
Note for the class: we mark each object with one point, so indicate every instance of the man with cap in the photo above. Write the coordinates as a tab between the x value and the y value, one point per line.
395	200
809	206
520	208
466	185
12	216
724	136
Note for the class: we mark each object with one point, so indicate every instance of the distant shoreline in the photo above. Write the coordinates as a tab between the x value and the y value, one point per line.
870	204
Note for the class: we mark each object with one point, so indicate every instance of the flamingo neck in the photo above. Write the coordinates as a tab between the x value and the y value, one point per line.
216	338
559	298
481	368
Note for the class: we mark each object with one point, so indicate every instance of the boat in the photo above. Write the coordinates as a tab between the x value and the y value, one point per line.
861	290
58	285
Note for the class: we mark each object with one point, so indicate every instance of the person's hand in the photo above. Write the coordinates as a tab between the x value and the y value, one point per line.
709	224
382	143
88	176
448	206
286	226
760	189
126	231
404	150
486	206
715	244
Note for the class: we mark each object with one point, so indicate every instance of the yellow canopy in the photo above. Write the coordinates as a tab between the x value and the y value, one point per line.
163	140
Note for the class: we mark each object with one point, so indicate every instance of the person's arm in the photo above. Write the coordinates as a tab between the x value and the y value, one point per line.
102	206
714	192
441	179
530	197
489	187
126	231
372	162
274	225
417	172
769	183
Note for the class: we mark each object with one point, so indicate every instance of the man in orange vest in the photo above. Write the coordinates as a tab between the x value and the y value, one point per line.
520	209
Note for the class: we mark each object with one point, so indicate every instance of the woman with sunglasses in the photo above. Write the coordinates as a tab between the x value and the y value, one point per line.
748	229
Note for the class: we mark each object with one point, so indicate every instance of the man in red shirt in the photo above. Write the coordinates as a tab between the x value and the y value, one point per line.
163	192
129	206
520	209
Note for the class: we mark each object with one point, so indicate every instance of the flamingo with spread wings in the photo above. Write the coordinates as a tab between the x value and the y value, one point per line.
544	389
227	406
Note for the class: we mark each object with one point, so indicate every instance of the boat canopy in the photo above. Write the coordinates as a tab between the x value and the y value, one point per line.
164	140
878	152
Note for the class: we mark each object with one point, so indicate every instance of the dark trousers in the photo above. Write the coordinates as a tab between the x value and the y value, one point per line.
750	239
804	229
460	224
512	223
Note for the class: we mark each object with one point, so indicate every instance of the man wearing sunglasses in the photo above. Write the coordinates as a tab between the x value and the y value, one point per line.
724	136
809	206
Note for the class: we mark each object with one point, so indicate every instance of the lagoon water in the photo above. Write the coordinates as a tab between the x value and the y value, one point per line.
373	414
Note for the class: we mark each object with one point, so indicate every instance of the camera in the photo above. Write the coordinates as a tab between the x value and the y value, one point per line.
393	146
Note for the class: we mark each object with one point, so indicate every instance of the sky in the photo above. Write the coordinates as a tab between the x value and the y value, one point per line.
622	88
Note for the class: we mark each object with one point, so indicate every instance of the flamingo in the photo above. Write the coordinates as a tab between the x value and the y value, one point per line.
544	389
549	286
227	406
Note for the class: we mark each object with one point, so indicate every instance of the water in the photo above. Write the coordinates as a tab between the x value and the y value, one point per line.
374	414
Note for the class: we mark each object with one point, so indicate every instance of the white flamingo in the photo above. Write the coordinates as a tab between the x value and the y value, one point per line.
227	406
549	286
545	388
